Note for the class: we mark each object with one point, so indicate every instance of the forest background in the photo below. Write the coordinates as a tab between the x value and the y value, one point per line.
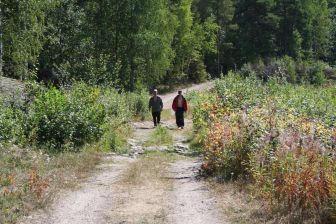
139	43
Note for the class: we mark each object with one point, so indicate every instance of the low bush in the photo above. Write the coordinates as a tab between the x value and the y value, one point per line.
226	150
280	137
289	70
115	137
51	139
11	124
66	119
138	103
124	105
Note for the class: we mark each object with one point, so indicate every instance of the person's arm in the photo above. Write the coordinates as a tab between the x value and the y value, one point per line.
185	105
174	104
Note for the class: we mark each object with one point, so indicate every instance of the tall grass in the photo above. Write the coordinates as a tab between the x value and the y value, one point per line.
279	136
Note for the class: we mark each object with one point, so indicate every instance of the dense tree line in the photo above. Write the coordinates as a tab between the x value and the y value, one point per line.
259	29
131	43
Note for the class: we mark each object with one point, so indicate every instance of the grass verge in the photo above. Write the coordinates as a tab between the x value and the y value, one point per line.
161	136
29	178
236	204
115	138
152	165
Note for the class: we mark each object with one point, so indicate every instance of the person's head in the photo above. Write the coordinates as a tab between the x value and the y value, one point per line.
179	92
155	91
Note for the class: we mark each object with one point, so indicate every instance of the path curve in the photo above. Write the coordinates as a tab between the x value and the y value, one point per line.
167	99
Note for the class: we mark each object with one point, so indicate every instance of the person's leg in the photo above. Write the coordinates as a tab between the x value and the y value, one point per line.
179	115
158	117
182	118
154	118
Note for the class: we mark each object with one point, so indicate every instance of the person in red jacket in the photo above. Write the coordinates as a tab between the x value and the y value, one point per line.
180	106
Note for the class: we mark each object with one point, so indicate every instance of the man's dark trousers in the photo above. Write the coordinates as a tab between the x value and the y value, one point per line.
156	117
180	117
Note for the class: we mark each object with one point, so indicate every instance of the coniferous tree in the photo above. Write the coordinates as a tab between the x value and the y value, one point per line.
257	25
304	28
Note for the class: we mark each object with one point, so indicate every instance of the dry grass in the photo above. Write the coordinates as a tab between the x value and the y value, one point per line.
152	165
30	179
145	190
237	205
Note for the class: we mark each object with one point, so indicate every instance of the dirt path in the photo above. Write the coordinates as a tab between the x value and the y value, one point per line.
156	187
192	202
167	99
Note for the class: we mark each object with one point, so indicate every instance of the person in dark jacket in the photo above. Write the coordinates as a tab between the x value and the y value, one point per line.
180	106
155	103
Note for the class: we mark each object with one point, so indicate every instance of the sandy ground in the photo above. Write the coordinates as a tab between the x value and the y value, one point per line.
192	202
162	188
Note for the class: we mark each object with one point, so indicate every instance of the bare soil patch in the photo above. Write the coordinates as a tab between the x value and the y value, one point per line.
192	202
144	191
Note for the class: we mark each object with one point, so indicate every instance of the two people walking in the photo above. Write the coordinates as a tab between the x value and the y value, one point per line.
179	106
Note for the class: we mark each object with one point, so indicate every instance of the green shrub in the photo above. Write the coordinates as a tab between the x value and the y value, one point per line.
60	119
236	93
291	69
11	124
287	69
115	105
115	137
317	75
124	105
199	103
278	135
71	118
138	103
